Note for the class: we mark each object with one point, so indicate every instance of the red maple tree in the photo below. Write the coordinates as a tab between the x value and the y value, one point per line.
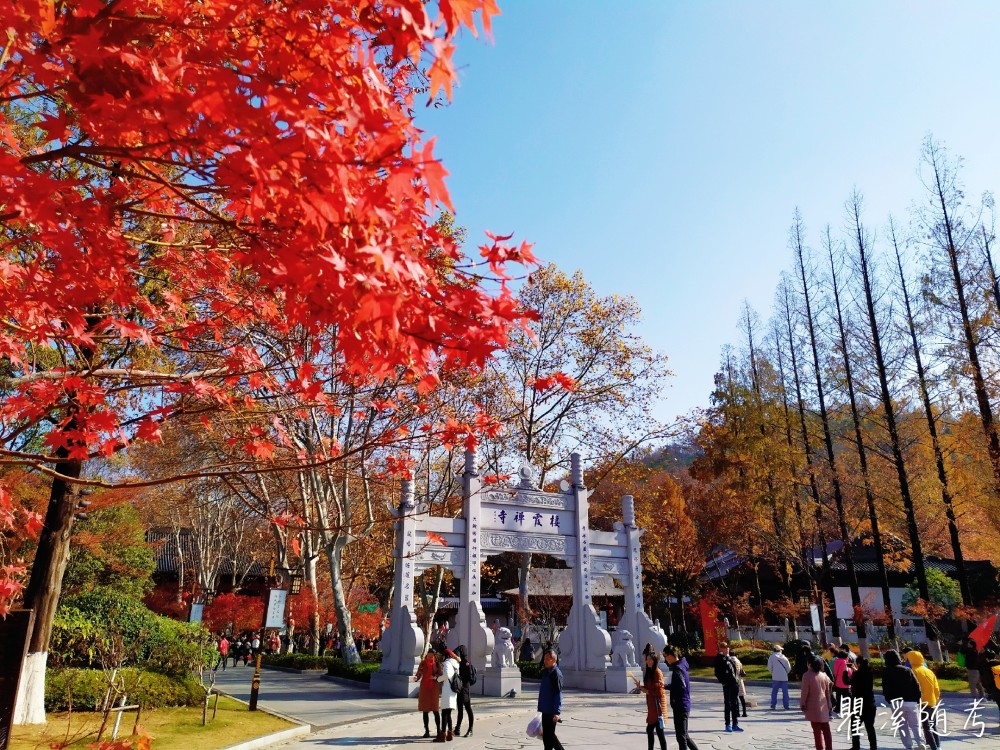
175	174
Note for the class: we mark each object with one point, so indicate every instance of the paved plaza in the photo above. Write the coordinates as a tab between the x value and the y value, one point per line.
349	716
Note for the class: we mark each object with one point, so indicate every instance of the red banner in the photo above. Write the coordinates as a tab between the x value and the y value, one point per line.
715	631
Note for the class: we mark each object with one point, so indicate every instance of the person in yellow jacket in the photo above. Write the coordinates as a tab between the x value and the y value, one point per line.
930	696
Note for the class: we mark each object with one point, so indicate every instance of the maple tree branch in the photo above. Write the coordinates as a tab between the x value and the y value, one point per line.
115	373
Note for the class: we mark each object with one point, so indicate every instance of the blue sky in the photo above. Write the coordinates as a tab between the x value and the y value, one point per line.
661	147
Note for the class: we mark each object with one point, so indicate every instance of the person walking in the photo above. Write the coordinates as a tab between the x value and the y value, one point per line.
527	652
902	691
429	693
970	654
930	696
550	699
842	672
450	685
802	660
727	674
816	700
223	647
863	690
467	674
830	653
780	668
656	698
989	668
741	689
679	686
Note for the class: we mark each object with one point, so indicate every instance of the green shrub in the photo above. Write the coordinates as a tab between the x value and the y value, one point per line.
178	648
361	672
793	648
531	670
109	623
375	657
74	640
948	670
87	688
757	657
686	641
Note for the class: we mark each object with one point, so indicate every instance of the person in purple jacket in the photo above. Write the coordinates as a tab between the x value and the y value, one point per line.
550	699
679	687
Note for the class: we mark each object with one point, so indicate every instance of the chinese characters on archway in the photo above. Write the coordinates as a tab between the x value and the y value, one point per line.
519	520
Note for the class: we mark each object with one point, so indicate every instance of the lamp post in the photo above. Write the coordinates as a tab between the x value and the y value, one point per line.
255	684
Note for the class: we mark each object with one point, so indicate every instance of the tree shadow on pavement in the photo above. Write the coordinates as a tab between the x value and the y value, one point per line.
364	741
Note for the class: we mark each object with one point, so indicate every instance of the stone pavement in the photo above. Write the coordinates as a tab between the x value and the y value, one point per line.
347	716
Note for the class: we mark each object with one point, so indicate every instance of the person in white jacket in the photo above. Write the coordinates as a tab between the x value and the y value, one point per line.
449	695
779	667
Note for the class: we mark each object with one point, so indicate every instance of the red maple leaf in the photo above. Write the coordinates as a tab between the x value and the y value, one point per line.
435	538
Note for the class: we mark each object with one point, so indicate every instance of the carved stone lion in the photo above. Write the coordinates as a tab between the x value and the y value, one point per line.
623	653
503	651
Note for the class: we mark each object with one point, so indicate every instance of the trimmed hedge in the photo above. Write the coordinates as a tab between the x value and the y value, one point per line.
686	641
531	670
360	672
87	688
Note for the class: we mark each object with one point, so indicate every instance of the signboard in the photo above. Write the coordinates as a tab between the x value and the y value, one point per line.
14	632
814	614
526	511
275	608
196	612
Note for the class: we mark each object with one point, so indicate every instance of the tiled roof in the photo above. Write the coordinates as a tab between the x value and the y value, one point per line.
165	553
558	582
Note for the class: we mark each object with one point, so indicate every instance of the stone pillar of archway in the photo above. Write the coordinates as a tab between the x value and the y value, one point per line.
470	623
402	642
584	645
634	619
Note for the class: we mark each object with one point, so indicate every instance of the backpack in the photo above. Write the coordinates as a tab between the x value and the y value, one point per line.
456	682
473	674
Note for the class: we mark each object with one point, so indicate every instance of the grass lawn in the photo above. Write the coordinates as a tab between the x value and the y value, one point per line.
172	728
759	672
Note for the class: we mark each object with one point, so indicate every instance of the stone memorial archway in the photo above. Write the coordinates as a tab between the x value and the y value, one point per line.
516	519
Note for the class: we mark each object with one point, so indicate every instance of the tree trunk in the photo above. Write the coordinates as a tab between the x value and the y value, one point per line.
310	563
949	508
859	442
44	587
335	554
838	497
181	562
793	468
890	411
524	575
810	565
430	605
942	194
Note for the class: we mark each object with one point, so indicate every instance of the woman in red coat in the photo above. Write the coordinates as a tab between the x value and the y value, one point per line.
656	699
429	697
816	702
